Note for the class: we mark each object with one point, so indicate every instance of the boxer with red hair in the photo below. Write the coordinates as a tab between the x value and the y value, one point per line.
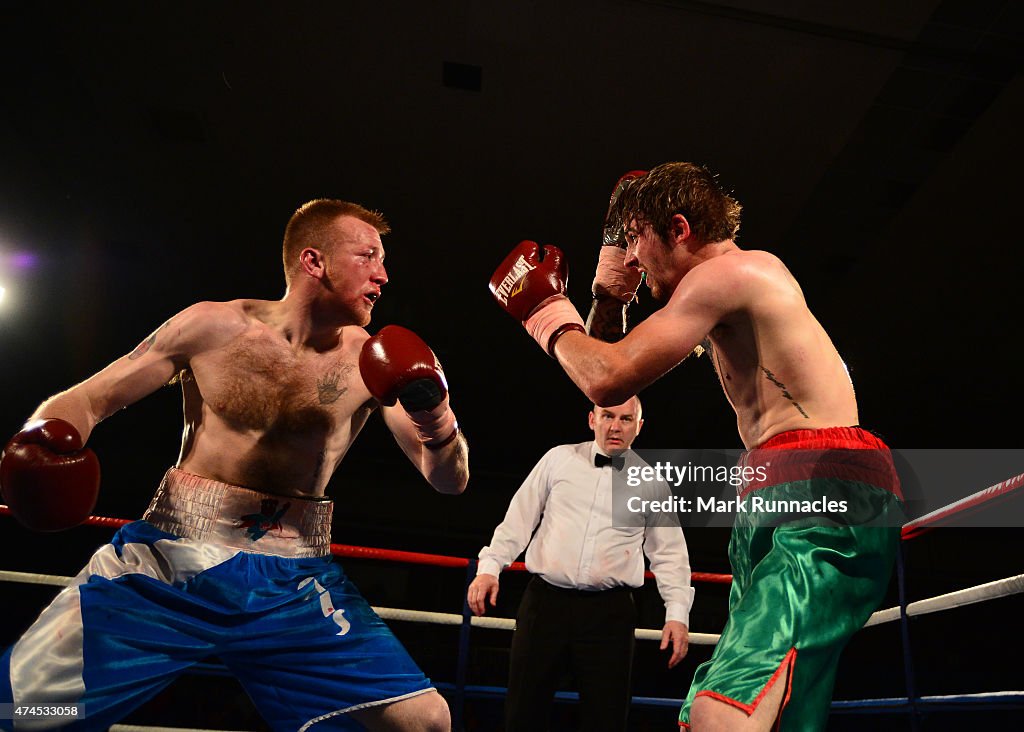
232	558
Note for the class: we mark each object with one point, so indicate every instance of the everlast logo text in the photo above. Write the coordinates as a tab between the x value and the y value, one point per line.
506	289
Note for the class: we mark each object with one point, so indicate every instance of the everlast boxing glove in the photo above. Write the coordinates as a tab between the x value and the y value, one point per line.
532	290
48	478
396	365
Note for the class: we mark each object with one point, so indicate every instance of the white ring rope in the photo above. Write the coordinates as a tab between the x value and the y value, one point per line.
895	701
386	613
26	578
964	505
421	616
968	596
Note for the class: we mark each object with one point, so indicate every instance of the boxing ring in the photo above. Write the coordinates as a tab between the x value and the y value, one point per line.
461	688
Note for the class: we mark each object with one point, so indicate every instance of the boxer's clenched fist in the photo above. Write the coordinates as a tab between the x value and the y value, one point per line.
48	478
396	365
532	290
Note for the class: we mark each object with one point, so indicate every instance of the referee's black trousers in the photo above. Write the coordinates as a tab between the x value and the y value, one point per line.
593	632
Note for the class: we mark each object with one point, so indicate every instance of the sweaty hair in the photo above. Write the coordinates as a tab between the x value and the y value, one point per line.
687	189
310	226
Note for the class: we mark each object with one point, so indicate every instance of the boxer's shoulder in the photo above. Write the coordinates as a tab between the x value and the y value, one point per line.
354	336
740	276
740	264
759	268
213	314
207	324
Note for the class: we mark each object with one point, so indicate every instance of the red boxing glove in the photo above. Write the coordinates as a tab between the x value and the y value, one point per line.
48	479
396	365
532	290
523	282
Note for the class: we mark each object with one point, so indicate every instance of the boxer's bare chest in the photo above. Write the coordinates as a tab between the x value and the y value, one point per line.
259	383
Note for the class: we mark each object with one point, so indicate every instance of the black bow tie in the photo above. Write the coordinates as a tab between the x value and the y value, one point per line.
616	462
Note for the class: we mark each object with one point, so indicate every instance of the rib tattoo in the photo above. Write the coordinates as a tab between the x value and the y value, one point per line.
785	392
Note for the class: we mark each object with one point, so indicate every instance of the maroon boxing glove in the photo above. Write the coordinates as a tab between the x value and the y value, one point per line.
524	281
532	290
396	365
48	478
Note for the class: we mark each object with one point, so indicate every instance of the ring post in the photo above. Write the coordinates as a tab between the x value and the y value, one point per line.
908	662
463	658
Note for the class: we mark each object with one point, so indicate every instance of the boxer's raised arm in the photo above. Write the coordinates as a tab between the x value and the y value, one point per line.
47	475
153	363
609	373
615	284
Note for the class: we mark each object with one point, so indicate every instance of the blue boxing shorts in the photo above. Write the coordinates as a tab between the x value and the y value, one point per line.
213	570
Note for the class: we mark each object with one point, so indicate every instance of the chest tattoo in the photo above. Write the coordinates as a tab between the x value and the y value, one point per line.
333	384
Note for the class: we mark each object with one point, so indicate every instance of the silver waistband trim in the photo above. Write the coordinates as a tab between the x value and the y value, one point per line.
194	507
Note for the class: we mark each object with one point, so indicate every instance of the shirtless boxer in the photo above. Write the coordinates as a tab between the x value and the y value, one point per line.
232	559
800	588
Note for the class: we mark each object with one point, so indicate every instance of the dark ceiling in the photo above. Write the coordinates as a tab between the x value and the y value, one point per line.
151	154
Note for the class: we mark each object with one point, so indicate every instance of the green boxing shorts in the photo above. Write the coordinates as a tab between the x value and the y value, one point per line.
811	553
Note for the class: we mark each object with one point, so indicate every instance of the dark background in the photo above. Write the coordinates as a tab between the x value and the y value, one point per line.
150	155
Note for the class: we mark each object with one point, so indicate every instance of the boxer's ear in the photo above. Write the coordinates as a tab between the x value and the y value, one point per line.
312	262
679	229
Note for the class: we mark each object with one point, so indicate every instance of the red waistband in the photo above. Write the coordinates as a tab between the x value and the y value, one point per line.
839	453
825	438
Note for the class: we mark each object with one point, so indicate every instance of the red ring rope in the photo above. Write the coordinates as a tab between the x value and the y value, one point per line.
364	552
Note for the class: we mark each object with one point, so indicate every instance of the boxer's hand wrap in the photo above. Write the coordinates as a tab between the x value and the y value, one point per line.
397	366
532	290
48	478
435	427
613	278
555	317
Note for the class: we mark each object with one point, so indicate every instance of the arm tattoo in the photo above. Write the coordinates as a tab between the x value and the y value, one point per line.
607	320
785	392
143	348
